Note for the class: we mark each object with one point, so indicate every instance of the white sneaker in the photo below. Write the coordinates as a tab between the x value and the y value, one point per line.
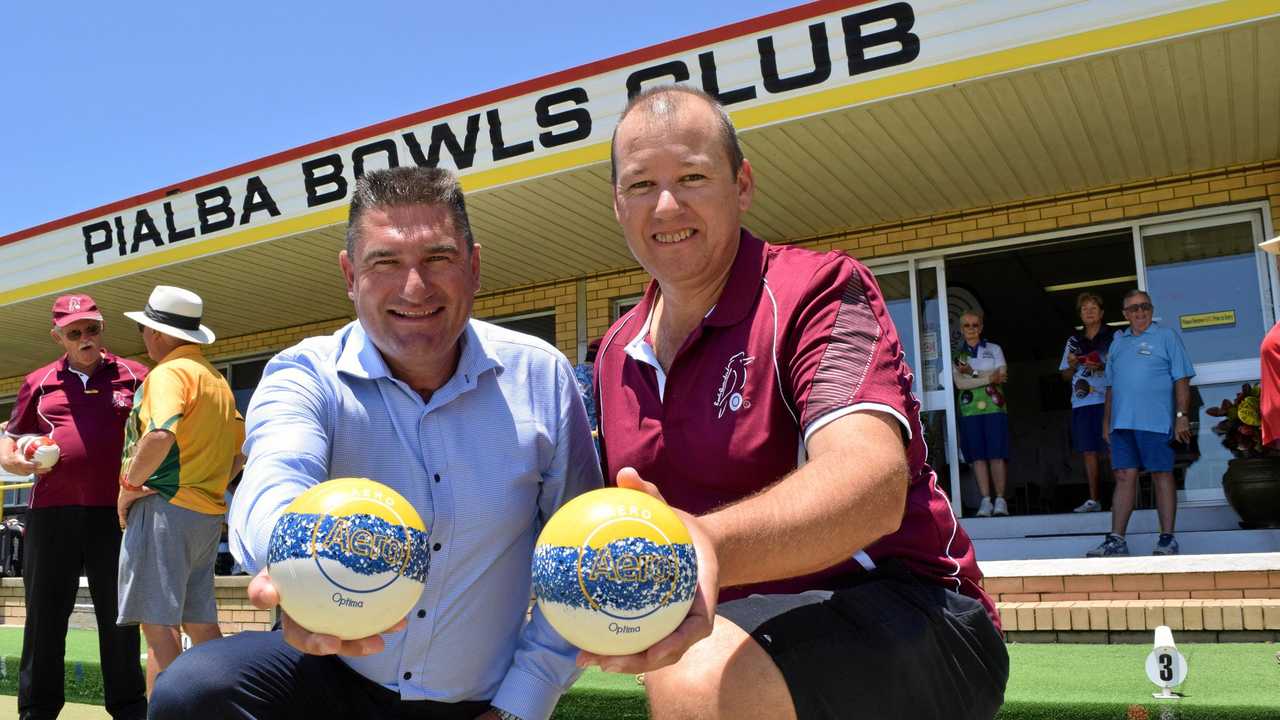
1001	507
1089	505
984	510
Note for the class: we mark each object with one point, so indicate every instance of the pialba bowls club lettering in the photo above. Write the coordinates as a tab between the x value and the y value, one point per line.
349	558
614	571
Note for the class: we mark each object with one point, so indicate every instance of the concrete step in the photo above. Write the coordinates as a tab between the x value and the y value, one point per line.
1075	546
1190	519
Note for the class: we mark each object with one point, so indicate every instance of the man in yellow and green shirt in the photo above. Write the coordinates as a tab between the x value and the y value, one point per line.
182	448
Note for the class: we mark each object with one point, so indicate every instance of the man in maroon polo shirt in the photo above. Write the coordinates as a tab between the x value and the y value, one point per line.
81	400
763	390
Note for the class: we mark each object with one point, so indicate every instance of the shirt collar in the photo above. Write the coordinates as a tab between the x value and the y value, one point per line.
1128	332
740	291
108	359
982	342
360	358
182	351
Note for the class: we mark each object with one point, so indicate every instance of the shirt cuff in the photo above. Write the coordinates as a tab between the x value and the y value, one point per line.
525	696
834	415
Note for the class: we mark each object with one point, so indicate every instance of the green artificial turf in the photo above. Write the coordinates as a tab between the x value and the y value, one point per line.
82	645
1228	681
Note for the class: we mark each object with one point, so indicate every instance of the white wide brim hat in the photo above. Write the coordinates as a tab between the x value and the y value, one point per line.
1272	246
175	312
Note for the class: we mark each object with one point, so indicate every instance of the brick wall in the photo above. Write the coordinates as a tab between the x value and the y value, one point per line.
1222	186
235	612
1162	586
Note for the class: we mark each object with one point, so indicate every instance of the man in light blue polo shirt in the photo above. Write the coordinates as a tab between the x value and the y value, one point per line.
1149	374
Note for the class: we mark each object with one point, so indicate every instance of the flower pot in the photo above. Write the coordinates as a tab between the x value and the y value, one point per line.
1252	486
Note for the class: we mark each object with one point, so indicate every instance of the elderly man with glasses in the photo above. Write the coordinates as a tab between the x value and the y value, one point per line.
1149	390
80	401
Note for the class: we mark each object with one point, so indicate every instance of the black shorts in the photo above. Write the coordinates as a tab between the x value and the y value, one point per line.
887	646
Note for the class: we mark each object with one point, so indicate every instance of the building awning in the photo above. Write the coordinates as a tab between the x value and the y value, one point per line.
853	114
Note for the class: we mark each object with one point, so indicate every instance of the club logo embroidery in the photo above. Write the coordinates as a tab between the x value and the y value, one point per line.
74	303
732	383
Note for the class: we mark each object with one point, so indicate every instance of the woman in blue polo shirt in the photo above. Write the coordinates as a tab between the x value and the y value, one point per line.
980	373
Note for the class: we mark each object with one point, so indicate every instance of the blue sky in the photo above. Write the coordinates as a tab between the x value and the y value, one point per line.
103	101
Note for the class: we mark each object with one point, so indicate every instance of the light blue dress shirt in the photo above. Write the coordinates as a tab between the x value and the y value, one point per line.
486	461
1141	370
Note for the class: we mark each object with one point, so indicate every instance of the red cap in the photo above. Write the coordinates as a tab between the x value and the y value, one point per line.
70	308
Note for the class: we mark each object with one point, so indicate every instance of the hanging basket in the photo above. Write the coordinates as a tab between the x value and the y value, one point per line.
1252	486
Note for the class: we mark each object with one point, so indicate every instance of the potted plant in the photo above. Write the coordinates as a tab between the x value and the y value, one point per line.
1252	480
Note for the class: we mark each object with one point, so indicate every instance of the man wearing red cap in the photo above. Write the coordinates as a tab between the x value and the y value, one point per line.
80	401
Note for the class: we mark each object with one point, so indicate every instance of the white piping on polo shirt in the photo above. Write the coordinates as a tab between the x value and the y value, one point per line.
40	399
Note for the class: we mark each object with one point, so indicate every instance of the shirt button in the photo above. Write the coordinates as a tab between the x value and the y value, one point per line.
436	547
408	675
422	613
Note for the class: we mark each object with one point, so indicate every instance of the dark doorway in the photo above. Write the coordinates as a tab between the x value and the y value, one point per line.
1028	295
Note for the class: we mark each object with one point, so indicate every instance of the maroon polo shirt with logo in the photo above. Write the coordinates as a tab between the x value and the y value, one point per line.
797	339
85	417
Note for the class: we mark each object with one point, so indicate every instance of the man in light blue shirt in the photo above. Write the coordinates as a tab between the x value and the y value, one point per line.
480	428
1148	373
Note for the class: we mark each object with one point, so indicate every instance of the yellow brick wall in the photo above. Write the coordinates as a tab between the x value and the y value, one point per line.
1259	181
1111	203
560	296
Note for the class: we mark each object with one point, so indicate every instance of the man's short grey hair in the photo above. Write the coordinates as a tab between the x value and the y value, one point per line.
402	186
649	101
1135	292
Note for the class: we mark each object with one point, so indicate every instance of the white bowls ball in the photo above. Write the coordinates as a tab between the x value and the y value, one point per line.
349	558
614	571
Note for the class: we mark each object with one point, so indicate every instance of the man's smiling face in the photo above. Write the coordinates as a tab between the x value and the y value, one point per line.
679	202
413	281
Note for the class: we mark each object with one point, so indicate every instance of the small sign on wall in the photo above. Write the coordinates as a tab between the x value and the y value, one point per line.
1208	319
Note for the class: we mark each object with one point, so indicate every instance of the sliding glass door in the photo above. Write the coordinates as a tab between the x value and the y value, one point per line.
912	292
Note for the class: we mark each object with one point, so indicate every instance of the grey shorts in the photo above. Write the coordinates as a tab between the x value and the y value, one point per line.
166	565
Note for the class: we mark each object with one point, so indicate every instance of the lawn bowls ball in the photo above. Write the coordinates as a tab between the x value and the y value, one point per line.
349	558
614	571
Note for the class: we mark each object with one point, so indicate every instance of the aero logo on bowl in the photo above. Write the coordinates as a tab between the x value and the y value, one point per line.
614	571
349	558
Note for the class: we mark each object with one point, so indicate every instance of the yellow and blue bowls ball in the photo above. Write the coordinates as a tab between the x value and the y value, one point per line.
614	571
349	558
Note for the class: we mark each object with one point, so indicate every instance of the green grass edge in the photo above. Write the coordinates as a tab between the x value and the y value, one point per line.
600	696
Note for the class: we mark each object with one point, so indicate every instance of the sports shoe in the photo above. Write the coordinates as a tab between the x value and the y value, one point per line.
1113	546
1000	507
1166	545
1089	505
984	510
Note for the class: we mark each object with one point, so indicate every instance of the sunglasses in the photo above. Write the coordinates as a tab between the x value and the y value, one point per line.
89	331
1136	307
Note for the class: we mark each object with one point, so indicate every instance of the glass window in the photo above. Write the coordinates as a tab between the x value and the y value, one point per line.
621	306
1208	457
540	324
930	369
896	289
244	379
1204	284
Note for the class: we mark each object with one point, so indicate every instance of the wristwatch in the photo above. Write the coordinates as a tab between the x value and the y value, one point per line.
503	714
1180	414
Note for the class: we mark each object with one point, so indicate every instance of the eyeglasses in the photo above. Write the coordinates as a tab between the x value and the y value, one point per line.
89	331
1138	307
